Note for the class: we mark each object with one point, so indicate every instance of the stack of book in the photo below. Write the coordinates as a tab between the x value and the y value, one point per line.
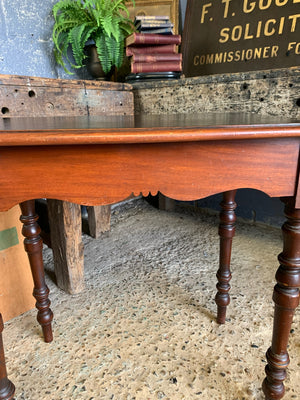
153	49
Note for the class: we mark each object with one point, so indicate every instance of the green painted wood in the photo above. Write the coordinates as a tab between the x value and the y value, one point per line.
8	238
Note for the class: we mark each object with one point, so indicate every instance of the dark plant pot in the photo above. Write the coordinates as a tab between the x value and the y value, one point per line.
93	64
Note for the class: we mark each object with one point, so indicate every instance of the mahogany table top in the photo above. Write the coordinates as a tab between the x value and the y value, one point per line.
143	128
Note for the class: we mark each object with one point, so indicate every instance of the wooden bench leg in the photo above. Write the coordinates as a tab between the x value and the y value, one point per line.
34	245
66	241
226	233
7	389
99	220
286	299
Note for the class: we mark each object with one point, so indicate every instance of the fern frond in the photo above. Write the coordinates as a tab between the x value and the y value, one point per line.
73	16
96	16
106	23
77	38
117	5
126	28
62	5
103	54
61	53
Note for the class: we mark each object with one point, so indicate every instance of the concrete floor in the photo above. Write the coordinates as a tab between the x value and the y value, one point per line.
145	326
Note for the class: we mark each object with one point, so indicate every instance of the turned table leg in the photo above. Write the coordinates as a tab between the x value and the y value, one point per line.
33	245
7	388
286	299
226	233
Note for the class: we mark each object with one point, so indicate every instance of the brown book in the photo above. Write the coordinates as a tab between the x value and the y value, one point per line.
164	48
150	58
165	66
149	38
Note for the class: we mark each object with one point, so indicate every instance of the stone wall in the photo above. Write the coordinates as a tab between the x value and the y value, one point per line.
26	38
275	92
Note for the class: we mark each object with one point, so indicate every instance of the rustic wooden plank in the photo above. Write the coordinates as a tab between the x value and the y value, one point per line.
99	220
65	231
28	81
18	101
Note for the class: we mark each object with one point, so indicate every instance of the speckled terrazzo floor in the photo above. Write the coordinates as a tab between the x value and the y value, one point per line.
145	327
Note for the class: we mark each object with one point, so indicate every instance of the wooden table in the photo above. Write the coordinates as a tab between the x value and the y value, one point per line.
93	161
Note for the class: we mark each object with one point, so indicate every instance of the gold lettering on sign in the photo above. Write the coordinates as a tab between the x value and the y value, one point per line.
236	33
281	3
247	35
274	52
246	8
268	28
224	35
249	6
263	6
266	52
204	11
218	58
281	25
268	32
295	47
241	55
258	31
294	19
226	8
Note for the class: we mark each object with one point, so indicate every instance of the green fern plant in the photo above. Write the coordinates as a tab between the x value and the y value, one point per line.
105	22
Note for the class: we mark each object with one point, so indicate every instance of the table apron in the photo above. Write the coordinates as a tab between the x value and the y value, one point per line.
103	174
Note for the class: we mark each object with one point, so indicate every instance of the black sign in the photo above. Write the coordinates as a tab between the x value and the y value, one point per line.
240	35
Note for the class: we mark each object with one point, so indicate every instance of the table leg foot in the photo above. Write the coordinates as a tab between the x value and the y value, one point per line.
286	299
7	389
33	245
226	233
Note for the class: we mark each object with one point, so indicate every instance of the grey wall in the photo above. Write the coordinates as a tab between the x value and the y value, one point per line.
25	38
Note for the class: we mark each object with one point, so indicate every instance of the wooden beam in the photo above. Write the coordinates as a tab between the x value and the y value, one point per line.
99	220
67	246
